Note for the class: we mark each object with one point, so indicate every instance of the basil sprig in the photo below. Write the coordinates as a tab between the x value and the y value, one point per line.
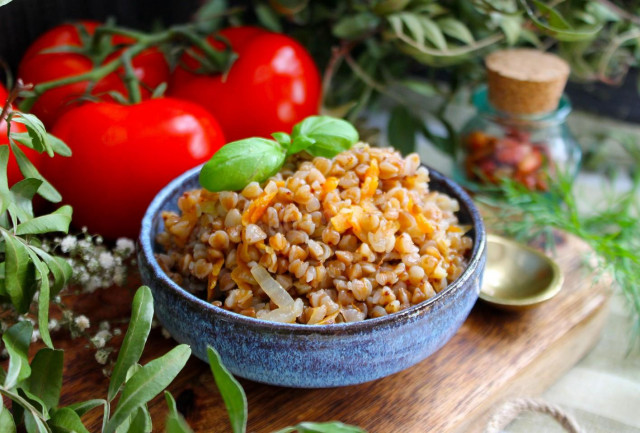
241	162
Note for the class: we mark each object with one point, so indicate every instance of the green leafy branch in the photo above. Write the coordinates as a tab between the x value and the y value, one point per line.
35	388
25	267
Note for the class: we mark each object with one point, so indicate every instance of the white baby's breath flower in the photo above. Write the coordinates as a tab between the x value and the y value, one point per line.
35	336
117	331
120	275
124	246
54	325
68	243
82	322
94	283
93	265
98	342
84	245
106	260
102	356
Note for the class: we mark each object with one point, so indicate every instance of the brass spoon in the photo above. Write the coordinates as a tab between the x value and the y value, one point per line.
518	277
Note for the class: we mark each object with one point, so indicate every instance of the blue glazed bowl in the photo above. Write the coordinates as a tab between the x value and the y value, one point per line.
311	356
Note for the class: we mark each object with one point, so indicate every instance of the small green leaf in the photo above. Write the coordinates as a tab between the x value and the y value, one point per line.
283	138
433	33
4	183
175	422
67	420
18	273
43	298
57	221
23	138
46	376
331	135
60	146
140	421
33	423
268	18
159	91
241	162
16	340
22	193
556	25
2	3
413	24
386	7
322	427
148	382
134	340
36	131
28	170
85	406
354	26
401	130
7	425
60	269
421	87
301	142
456	29
511	27
231	391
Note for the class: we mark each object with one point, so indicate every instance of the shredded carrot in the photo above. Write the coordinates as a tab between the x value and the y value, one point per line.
424	224
257	208
213	278
371	180
330	184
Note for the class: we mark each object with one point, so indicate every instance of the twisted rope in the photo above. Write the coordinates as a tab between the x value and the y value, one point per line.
511	409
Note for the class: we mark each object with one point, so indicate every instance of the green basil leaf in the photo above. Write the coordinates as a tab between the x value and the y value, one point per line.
301	142
58	146
354	26
33	423
57	221
46	376
36	131
134	340
401	130
283	138
140	421
67	420
28	170
332	135
85	406
456	29
22	193
18	273
148	382
433	33
6	419
413	24
175	422
3	287
322	427
16	340
231	391
241	162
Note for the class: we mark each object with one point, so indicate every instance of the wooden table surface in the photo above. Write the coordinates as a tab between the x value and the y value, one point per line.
493	357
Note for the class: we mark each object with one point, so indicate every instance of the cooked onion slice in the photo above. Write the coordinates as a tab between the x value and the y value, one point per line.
272	288
284	315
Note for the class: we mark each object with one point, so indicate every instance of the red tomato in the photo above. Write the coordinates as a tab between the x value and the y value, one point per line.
38	67
13	171
124	154
272	85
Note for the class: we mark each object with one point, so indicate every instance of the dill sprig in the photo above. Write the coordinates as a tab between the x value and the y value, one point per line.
612	231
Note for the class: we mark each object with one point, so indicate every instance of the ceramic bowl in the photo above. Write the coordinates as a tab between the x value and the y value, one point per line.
311	356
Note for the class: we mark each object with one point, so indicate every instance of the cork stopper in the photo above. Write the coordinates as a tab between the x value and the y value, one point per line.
525	81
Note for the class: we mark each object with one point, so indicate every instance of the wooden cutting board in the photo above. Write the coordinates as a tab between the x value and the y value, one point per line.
493	357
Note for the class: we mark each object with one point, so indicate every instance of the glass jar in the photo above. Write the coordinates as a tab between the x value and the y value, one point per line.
526	148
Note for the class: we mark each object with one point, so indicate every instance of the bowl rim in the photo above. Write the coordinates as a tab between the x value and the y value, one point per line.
146	250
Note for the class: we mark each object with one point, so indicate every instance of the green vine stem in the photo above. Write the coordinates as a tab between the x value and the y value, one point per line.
143	41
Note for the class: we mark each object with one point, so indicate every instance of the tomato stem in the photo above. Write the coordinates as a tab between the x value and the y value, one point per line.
130	79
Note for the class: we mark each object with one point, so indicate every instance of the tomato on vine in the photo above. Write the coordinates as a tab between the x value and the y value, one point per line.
66	50
124	154
273	84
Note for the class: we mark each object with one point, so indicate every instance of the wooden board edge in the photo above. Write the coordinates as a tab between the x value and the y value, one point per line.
542	371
